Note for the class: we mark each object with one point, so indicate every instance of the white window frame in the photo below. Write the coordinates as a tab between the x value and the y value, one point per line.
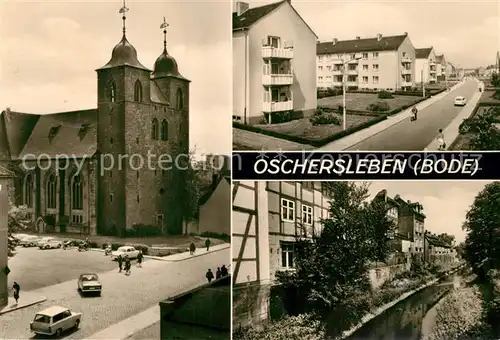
287	249
307	214
289	205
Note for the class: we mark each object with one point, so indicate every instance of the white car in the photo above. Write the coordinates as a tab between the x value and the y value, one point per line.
55	320
51	244
44	240
30	241
460	101
125	251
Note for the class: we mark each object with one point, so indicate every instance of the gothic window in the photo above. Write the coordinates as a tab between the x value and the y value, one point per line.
154	129
28	191
180	100
111	92
77	193
51	191
138	91
164	130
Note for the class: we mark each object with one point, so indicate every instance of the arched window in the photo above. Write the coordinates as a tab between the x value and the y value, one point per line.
164	130
180	99
28	191
111	92
138	91
154	129
51	192
77	193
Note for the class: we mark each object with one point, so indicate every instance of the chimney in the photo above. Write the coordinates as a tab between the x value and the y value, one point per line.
357	38
406	33
379	36
241	7
334	41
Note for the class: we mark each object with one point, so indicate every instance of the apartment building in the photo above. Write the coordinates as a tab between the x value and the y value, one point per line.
273	63
425	65
441	67
451	70
411	224
379	63
267	218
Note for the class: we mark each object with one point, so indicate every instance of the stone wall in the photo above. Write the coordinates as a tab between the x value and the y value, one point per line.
378	276
251	305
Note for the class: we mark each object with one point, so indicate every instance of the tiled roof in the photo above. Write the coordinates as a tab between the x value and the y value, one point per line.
423	53
252	15
15	129
391	43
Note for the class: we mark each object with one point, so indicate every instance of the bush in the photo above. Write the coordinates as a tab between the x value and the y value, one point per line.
324	119
378	107
497	95
385	95
279	117
223	237
143	230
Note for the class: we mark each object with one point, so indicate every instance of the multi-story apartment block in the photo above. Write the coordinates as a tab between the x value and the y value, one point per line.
411	224
267	219
451	70
425	65
441	67
379	63
273	63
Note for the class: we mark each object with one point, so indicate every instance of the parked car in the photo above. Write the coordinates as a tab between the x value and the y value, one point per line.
460	101
72	243
89	283
127	251
51	244
44	240
30	241
55	320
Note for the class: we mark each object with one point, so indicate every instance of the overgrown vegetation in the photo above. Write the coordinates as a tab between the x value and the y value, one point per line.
484	134
17	222
322	117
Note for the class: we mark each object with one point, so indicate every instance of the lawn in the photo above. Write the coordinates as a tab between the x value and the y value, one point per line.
303	127
360	101
487	96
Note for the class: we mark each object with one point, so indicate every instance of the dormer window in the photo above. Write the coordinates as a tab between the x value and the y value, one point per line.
53	132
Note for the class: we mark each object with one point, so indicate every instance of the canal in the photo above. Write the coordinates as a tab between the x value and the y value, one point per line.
411	318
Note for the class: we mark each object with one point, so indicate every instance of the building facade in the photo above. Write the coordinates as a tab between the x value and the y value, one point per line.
96	188
379	63
438	252
441	67
425	65
411	224
273	63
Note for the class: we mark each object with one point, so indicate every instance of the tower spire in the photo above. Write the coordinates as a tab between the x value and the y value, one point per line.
123	12
164	26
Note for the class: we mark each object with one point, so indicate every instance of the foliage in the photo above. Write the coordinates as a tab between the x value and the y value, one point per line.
378	107
143	230
278	117
485	136
495	80
223	237
324	118
17	222
385	95
331	269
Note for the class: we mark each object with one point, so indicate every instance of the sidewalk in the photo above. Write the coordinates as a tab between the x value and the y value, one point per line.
357	137
26	299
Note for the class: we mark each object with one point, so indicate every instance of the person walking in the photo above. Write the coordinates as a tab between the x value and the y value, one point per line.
128	266
16	288
223	271
139	259
208	243
192	248
209	275
218	273
440	140
119	259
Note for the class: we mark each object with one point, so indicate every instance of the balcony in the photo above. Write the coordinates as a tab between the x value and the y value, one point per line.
277	79
432	71
406	71
337	72
406	60
432	63
270	107
269	52
352	72
406	83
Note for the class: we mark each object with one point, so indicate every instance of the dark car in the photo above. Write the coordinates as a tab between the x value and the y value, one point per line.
89	284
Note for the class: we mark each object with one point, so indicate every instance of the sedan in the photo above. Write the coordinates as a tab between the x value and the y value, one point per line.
52	244
460	101
89	283
125	251
31	241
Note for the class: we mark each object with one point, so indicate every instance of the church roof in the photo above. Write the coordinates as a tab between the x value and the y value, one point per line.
15	129
124	54
157	95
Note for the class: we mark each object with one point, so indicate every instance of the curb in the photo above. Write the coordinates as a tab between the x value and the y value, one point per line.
40	300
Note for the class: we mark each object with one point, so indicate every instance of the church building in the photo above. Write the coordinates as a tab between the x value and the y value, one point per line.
139	112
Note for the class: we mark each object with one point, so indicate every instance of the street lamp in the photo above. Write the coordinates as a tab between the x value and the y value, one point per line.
344	81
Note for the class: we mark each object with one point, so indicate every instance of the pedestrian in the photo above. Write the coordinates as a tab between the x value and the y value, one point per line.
128	266
209	275
440	140
120	263
139	259
192	248
16	288
218	274
223	271
207	244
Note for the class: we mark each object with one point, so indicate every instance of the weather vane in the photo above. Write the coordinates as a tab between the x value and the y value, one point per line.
123	11
164	26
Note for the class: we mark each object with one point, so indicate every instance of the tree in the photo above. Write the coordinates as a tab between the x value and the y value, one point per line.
482	243
17	221
495	80
481	127
446	239
331	268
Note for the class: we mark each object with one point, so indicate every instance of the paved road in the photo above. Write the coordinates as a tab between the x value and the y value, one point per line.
416	136
148	333
122	297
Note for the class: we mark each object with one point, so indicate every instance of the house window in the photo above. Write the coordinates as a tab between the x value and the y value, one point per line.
273	42
154	129
375	67
320	78
77	193
287	255
375	55
164	130
353	56
287	210
365	67
375	79
180	99
111	92
111	198
138	91
320	68
365	55
404	54
159	220
307	185
307	215
51	192
28	191
365	80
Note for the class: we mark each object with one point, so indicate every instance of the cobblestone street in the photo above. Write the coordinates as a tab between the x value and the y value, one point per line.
122	297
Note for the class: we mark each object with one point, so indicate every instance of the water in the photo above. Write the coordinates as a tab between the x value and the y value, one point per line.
405	319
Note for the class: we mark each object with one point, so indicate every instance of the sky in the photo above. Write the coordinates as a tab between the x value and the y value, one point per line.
466	32
50	49
445	203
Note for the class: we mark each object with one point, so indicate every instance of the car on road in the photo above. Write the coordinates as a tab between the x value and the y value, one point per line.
89	283
125	251
54	321
460	101
45	240
51	244
30	241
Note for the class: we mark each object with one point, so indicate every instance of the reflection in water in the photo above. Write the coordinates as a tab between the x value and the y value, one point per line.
404	320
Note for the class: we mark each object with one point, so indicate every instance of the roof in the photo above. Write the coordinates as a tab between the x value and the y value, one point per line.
15	129
51	311
157	94
206	196
435	241
423	53
254	14
390	43
439	58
